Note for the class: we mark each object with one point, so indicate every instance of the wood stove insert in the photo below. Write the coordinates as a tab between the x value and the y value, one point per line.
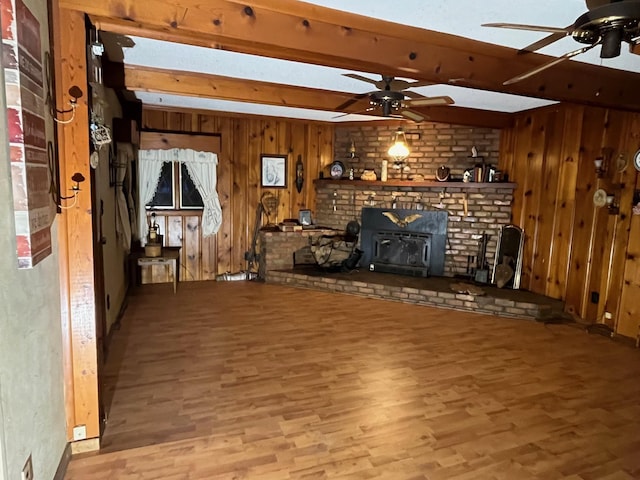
403	241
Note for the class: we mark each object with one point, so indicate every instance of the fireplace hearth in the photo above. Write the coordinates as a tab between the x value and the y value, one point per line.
403	241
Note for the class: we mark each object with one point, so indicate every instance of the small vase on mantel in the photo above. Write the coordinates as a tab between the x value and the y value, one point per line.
384	173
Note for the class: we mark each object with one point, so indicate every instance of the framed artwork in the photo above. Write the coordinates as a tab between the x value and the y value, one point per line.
273	171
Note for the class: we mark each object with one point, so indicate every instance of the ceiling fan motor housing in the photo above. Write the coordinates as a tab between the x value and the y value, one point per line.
388	99
610	24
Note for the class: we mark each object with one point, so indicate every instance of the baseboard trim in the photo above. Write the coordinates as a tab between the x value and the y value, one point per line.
64	463
84	446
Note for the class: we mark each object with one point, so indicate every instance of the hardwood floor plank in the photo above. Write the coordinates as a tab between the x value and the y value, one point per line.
244	380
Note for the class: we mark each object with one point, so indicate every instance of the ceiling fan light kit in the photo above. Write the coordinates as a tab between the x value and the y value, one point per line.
393	98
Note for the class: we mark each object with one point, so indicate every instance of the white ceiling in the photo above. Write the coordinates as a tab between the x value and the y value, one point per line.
442	16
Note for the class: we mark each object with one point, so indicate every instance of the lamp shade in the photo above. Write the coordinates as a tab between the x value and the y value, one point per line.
399	149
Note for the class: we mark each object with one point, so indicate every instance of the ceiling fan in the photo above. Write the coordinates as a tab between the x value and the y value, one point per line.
391	97
607	23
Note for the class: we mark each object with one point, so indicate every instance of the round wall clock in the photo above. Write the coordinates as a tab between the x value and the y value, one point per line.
636	160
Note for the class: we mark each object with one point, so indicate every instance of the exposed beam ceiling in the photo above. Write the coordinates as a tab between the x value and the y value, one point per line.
303	32
313	35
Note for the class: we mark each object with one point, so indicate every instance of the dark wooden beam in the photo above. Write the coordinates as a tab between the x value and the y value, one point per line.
307	33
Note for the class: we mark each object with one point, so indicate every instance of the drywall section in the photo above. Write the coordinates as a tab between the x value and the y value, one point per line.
32	415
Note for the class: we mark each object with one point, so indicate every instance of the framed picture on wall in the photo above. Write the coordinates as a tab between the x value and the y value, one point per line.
273	171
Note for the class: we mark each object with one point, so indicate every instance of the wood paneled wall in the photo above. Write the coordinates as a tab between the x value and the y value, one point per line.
243	140
573	248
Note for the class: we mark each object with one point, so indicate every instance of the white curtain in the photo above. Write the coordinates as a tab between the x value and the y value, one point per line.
124	157
149	168
202	169
128	183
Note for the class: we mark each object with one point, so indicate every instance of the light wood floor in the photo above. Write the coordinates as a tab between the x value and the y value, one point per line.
243	380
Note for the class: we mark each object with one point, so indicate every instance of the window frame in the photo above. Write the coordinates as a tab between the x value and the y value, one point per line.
176	192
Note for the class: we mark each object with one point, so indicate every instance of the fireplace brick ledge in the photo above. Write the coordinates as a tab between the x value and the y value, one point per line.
541	309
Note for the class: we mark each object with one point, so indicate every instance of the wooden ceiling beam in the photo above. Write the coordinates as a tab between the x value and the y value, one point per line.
312	34
226	88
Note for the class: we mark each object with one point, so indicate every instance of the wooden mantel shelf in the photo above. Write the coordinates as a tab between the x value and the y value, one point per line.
410	183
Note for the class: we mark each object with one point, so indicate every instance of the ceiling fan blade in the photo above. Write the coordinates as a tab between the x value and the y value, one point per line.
410	94
362	78
550	64
419	84
412	115
430	101
533	28
543	42
591	4
351	101
359	112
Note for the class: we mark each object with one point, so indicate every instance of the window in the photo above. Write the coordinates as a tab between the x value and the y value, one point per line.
175	189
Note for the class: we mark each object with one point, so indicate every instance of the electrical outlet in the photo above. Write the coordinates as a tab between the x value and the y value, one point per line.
27	470
79	432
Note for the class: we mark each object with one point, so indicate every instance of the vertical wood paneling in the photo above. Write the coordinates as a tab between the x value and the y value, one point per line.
523	134
575	248
564	204
543	252
225	238
585	214
531	220
190	254
254	149
605	228
628	319
173	236
628	179
283	145
242	212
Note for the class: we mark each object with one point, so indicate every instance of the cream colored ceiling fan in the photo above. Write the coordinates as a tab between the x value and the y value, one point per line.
607	23
393	99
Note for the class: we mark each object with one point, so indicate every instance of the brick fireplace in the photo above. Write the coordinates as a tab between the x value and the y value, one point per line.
472	209
487	210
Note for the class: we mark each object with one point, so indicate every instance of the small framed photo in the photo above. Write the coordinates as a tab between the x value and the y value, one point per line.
304	217
274	171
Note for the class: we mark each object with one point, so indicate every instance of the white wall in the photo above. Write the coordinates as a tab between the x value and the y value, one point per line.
32	416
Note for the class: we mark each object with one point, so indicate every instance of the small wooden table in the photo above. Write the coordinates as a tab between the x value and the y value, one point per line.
169	258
